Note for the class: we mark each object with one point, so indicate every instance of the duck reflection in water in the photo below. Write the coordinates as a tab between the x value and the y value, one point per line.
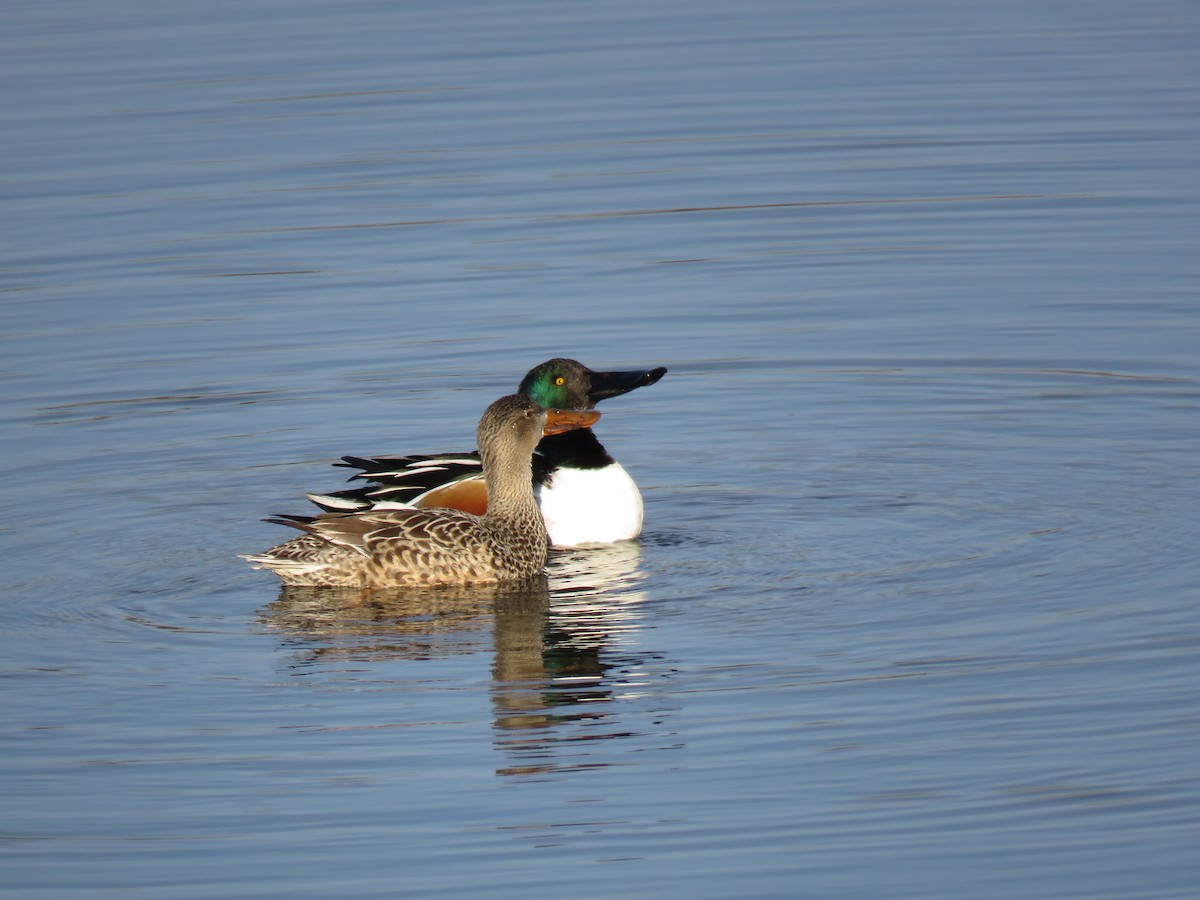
559	644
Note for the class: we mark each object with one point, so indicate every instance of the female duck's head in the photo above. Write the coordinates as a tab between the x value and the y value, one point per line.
513	425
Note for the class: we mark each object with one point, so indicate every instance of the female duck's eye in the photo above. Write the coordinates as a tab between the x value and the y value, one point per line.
560	381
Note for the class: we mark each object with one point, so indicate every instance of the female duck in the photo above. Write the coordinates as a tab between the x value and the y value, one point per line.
585	495
409	547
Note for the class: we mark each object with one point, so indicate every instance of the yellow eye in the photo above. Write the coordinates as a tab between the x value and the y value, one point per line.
560	381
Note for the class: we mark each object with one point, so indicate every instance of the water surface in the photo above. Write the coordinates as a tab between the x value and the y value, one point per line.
914	613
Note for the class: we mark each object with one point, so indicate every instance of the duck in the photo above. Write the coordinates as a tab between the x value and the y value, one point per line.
421	547
585	495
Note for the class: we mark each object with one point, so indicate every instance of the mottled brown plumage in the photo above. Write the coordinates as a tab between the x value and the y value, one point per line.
412	547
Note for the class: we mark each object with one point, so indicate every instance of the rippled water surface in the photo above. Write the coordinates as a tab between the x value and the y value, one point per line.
915	611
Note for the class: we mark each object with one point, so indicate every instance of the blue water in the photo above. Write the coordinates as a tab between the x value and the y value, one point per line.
915	611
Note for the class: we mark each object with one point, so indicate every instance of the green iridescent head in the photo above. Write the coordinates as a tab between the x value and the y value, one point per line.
567	384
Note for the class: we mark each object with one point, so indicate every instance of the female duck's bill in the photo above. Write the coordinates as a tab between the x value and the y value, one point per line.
411	547
560	421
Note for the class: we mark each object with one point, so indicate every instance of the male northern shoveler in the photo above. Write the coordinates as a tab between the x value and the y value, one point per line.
586	497
410	547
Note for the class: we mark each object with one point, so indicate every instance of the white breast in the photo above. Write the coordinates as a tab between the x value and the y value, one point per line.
591	506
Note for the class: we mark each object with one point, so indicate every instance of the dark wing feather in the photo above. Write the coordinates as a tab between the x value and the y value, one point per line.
401	480
397	480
